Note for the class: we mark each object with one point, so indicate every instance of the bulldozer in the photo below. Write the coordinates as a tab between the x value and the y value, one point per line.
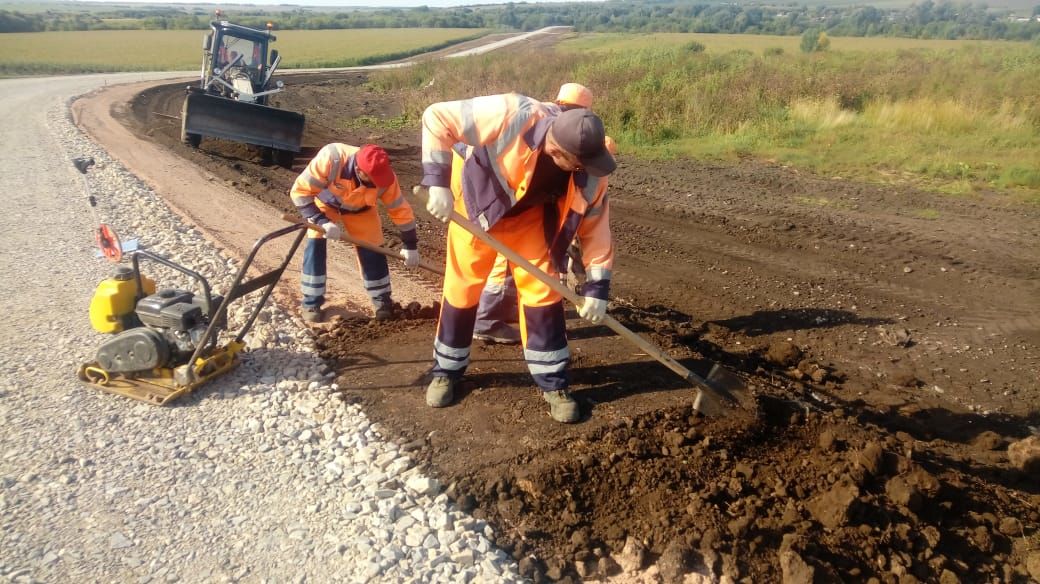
232	99
164	342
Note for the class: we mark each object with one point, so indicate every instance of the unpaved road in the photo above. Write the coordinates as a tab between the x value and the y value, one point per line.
915	311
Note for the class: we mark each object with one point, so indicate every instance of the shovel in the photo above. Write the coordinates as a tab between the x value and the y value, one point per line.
369	246
721	389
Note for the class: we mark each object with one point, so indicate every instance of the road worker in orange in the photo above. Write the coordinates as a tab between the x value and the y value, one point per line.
497	312
534	180
338	191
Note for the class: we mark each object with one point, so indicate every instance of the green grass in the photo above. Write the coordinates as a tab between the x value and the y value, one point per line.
724	43
180	50
361	122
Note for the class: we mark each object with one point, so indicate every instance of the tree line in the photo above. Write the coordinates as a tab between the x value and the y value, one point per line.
928	19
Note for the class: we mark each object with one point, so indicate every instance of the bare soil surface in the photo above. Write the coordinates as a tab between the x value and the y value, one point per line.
890	335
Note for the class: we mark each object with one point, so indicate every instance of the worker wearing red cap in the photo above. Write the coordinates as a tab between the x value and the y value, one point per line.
534	180
338	191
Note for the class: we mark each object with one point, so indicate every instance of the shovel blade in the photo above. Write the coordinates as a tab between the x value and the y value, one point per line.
708	405
723	389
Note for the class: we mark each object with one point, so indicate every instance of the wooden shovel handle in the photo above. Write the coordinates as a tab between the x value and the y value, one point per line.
577	300
369	246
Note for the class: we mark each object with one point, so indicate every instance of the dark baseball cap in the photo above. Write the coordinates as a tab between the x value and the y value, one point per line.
580	132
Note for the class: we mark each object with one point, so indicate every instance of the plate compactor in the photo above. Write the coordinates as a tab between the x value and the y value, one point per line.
165	342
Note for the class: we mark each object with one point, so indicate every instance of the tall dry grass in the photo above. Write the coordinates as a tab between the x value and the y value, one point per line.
958	119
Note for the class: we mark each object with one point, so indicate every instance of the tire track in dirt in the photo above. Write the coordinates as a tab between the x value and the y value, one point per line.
776	262
837	244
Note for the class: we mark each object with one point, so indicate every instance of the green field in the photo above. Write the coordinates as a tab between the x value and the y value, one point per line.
181	50
722	43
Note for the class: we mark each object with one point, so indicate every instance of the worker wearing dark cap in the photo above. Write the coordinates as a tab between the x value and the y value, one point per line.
534	180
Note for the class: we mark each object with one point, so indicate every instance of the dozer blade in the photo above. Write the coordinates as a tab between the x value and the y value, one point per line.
239	121
162	385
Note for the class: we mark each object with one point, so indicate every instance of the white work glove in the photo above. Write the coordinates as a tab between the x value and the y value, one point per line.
411	257
332	230
441	203
593	310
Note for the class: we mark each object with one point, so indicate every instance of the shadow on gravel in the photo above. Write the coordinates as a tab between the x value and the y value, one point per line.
257	370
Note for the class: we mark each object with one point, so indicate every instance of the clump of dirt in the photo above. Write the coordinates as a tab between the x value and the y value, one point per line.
337	339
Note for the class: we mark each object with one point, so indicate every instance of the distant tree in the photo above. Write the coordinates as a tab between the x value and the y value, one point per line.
810	40
823	42
18	22
952	19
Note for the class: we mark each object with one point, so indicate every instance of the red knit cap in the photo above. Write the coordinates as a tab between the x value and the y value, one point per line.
374	161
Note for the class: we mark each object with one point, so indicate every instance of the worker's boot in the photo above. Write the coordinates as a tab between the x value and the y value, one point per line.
311	314
562	406
440	392
384	307
499	332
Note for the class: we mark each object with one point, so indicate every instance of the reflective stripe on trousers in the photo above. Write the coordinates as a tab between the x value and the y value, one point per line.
312	278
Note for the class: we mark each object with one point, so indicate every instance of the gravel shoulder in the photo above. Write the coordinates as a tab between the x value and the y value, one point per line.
264	475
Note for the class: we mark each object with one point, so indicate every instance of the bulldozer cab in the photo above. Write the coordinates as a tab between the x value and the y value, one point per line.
238	52
232	101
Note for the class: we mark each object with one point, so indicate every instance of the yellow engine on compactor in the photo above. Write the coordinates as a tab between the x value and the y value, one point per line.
112	307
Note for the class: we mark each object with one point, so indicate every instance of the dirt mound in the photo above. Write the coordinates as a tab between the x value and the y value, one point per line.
800	491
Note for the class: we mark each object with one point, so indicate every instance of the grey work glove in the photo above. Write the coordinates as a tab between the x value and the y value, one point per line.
441	203
593	310
332	230
411	257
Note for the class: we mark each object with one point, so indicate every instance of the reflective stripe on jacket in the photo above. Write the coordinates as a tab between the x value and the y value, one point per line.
330	181
506	134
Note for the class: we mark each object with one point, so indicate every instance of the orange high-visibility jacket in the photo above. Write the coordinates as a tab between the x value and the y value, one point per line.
506	134
330	182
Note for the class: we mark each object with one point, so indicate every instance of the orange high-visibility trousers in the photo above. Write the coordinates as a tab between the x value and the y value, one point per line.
469	263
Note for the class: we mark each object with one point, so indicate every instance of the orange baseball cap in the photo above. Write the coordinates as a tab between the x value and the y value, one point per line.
574	94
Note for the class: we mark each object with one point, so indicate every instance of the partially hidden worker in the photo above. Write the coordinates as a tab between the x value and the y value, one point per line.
338	191
534	180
